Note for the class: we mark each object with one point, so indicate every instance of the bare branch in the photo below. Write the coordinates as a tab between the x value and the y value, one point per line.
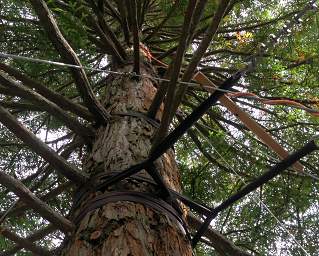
120	6
220	243
35	203
69	56
49	106
38	146
25	243
174	71
162	23
57	98
20	208
131	9
108	31
39	234
105	41
199	53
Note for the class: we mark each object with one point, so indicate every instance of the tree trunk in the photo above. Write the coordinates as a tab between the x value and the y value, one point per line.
123	226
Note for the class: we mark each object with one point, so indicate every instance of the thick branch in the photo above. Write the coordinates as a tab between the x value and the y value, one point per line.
174	71
131	9
35	203
220	243
259	181
57	98
105	41
20	208
39	234
162	23
25	243
49	106
199	53
38	146
69	56
120	6
106	29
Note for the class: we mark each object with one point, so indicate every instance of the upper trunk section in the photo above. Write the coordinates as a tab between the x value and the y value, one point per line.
127	227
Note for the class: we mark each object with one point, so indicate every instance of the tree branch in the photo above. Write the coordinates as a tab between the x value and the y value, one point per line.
69	56
20	208
19	106
25	243
220	243
49	106
248	121
162	23
31	238
274	171
113	11
174	71
162	90
66	169
35	203
120	6
108	31
57	98
131	9
105	41
199	53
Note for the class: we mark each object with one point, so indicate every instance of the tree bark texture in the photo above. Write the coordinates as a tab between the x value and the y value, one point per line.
126	227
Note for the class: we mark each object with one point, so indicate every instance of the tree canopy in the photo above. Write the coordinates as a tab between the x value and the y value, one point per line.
218	155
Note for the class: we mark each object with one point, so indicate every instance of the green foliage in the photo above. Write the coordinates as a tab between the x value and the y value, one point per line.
226	155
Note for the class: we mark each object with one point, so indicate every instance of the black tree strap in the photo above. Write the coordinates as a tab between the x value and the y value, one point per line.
198	112
171	139
165	191
148	166
99	181
271	173
197	207
102	180
146	199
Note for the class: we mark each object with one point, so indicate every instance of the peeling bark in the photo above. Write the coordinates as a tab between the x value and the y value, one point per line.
128	228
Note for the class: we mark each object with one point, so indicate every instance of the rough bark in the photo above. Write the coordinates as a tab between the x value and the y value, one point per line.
122	227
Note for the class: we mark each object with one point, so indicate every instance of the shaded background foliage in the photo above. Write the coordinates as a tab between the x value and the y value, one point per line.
219	153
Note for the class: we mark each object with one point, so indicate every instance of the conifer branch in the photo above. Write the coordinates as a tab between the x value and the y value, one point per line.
69	56
38	146
35	203
23	243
